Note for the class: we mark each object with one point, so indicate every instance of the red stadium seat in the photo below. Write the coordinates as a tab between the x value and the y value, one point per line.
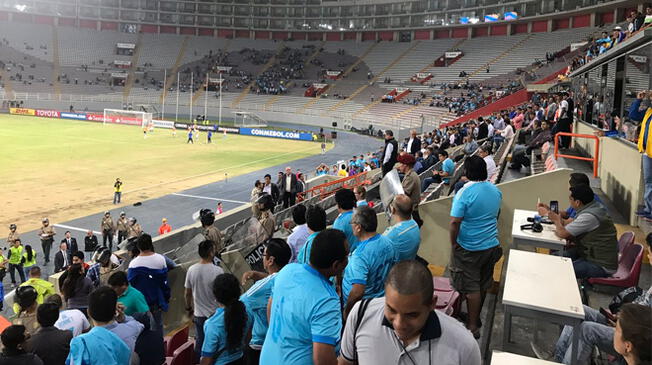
448	299
629	269
175	341
182	355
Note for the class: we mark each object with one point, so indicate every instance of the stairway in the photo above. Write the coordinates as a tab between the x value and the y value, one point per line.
56	65
129	84
173	72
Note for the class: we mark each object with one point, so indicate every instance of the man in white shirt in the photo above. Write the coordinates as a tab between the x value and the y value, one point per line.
414	143
72	319
300	233
484	152
199	297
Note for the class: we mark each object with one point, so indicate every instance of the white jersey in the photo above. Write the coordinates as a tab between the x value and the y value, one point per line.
73	320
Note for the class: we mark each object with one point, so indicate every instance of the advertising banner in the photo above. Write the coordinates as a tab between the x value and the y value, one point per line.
204	128
452	54
77	116
276	134
126	45
22	111
233	130
163	124
48	113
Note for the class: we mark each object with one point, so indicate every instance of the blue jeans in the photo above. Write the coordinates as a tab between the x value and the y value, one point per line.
116	197
585	269
594	331
647	180
199	336
435	179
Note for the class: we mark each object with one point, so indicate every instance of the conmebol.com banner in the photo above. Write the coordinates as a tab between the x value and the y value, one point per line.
276	134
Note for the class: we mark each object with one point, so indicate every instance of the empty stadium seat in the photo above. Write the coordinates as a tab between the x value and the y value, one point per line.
176	340
182	355
629	269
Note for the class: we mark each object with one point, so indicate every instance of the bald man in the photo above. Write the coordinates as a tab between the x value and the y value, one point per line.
404	233
414	143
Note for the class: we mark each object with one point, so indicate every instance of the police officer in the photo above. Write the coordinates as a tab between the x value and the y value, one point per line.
122	226
211	232
46	233
107	228
134	229
13	234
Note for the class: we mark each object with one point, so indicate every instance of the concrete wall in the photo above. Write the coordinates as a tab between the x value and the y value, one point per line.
517	194
619	170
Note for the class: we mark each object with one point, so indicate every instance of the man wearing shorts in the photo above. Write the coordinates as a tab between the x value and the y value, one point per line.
474	238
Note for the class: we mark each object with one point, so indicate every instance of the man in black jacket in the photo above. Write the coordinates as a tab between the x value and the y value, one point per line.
414	143
90	241
288	188
71	242
63	258
270	188
483	129
390	152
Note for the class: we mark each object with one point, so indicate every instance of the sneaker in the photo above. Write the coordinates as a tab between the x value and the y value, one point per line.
13	285
540	353
643	212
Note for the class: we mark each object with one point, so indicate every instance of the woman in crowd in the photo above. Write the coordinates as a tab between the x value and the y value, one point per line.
30	259
76	288
225	330
633	334
26	299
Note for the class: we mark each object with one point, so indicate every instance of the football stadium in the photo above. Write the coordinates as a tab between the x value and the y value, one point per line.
325	182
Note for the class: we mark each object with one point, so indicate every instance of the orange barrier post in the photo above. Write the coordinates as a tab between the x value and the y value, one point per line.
589	136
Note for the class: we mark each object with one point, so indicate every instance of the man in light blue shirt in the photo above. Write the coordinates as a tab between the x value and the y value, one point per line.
306	320
276	255
345	199
447	170
404	234
364	276
300	233
474	237
316	221
360	196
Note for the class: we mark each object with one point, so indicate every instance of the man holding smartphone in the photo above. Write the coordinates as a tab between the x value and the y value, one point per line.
576	178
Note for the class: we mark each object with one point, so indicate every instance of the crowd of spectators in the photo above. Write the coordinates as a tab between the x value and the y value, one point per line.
597	45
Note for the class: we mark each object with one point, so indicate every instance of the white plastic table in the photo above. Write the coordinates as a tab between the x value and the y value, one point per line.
546	239
507	358
542	287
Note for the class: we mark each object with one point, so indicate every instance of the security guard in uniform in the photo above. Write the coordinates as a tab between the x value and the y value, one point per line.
107	227
46	233
211	232
134	229
13	234
122	226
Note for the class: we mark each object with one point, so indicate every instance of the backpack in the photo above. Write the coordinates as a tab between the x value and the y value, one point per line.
626	296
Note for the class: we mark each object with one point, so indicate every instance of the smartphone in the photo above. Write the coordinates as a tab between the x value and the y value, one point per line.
607	314
554	206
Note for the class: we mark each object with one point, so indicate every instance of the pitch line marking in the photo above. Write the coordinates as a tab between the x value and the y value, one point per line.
71	228
209	198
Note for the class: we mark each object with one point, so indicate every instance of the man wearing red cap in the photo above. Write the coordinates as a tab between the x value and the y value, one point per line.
411	183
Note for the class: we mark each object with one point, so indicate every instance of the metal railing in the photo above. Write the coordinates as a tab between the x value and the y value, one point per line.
577	135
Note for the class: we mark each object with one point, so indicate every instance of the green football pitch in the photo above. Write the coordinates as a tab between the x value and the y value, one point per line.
65	169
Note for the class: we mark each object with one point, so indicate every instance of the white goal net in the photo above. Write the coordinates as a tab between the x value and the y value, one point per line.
130	117
246	119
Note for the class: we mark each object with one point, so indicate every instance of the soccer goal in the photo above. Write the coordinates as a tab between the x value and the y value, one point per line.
246	119
131	117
